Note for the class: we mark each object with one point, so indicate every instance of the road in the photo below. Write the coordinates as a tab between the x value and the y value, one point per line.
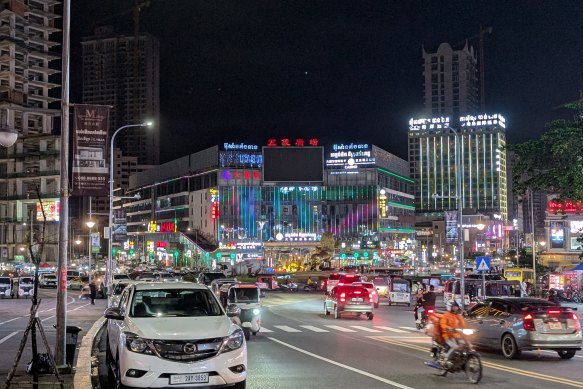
14	317
300	347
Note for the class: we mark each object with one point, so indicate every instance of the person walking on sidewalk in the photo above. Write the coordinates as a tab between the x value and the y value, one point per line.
93	290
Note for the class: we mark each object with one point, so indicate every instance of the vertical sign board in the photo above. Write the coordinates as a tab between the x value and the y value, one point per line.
95	243
90	171
120	226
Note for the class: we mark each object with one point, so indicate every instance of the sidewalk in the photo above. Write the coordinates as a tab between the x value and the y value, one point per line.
84	370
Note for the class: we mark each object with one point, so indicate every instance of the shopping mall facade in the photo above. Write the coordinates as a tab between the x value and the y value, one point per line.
215	206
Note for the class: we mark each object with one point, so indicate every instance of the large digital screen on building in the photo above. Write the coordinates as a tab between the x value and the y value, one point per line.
293	164
51	210
557	235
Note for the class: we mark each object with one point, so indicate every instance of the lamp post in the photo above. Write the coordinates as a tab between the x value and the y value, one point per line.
90	224
460	208
109	273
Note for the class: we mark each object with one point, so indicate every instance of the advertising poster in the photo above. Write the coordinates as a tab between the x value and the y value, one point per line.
120	226
557	235
90	134
451	230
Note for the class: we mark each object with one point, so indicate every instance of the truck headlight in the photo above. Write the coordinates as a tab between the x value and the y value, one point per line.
233	341
136	344
256	311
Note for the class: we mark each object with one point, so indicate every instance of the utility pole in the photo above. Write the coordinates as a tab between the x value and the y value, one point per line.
60	347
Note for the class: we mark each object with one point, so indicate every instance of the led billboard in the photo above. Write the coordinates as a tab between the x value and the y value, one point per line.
293	164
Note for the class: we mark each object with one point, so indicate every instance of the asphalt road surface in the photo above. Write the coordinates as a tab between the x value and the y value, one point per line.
15	316
300	347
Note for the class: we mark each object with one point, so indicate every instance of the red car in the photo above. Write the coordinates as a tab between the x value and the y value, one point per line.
349	299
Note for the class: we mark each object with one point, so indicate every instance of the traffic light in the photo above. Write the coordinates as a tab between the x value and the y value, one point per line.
131	252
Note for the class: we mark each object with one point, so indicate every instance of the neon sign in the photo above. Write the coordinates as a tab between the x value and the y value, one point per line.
383	204
239	146
428	123
565	206
483	120
351	146
228	175
286	142
162	227
215	211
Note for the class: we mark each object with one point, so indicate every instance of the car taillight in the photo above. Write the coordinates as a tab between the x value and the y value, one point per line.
370	297
528	322
342	297
340	283
357	292
430	311
554	311
575	317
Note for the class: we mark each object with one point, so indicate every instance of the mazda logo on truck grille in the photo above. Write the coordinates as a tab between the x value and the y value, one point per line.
189	348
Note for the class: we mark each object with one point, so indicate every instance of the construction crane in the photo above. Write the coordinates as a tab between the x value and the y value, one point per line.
480	36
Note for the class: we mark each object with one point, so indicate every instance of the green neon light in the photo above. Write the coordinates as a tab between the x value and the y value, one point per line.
396	175
403	230
401	205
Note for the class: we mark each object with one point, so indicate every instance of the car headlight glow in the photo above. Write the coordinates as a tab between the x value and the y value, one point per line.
234	341
136	344
256	311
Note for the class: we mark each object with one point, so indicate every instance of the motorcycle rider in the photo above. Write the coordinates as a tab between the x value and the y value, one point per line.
449	322
427	301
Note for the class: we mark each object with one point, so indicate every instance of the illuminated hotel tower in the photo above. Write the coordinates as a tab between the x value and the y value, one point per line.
432	159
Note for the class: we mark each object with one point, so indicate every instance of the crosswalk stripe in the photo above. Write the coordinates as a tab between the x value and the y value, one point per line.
366	329
409	328
391	329
265	330
341	329
287	329
315	329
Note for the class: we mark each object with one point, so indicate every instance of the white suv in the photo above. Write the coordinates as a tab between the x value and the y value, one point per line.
174	334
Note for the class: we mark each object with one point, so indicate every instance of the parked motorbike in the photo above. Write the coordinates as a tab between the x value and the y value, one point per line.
291	287
424	317
558	296
465	358
311	287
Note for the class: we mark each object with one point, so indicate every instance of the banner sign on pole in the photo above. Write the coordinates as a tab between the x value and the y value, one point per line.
95	243
90	133
451	228
120	226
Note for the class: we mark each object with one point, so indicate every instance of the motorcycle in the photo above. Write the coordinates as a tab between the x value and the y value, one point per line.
464	358
247	298
558	296
291	287
311	287
422	323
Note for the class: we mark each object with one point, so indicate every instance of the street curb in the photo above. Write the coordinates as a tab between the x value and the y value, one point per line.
83	368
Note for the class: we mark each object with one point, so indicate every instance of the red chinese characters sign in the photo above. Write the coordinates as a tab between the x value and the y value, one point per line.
568	206
287	142
215	211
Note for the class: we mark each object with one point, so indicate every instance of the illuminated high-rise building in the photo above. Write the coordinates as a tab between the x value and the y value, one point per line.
432	158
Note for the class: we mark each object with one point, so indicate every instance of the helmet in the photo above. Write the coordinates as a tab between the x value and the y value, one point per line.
450	304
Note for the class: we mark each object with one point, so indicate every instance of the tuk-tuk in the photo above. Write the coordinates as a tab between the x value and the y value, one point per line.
5	287
220	287
267	281
25	287
400	292
246	297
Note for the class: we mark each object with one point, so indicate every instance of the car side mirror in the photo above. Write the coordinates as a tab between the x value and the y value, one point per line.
233	310
113	313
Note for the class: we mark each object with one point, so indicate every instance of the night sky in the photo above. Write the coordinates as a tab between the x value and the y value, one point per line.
340	70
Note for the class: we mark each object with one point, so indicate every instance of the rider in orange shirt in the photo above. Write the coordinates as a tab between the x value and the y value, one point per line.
449	322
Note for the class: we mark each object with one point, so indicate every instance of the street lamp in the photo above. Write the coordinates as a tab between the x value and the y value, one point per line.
460	208
8	136
90	224
109	254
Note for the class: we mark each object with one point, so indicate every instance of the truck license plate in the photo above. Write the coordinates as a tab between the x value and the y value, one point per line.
189	378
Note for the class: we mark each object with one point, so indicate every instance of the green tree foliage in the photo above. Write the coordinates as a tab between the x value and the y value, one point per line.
553	163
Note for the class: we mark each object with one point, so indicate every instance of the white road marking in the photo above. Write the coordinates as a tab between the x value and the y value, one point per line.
4	339
315	329
48	318
365	329
341	329
265	330
8	321
390	329
287	329
410	328
353	369
79	307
